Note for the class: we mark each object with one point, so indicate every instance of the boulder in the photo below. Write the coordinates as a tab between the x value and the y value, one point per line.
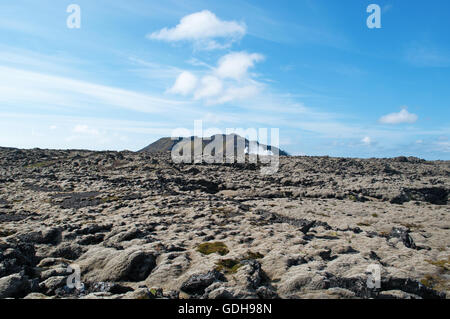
49	236
68	250
108	264
14	286
50	285
197	283
403	235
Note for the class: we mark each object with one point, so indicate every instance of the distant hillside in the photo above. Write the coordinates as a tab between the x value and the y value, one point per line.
166	144
162	145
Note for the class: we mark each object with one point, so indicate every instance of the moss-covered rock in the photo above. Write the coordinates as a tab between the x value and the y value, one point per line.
213	247
231	266
228	266
252	255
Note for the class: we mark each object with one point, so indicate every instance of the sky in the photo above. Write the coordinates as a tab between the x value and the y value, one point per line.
136	70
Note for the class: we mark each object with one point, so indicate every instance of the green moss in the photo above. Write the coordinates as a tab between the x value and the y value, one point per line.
231	266
374	215
411	225
260	223
332	234
435	282
427	281
438	281
352	197
213	247
275	280
252	255
321	214
41	164
443	264
363	224
227	211
228	266
110	199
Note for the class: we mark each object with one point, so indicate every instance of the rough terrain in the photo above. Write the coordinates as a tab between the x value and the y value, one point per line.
139	226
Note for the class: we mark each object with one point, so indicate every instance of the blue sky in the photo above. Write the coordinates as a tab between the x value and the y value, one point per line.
136	70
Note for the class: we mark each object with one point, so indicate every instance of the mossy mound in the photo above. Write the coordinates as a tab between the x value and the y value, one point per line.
252	255
213	247
231	266
110	199
435	282
228	266
42	164
443	264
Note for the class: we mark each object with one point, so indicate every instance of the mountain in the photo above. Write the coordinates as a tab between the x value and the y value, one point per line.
166	144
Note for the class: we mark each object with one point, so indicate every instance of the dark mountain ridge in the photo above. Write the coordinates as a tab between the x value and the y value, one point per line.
166	144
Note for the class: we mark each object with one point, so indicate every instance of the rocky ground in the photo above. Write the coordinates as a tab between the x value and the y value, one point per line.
139	226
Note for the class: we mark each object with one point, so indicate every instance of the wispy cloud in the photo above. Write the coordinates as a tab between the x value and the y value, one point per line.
19	87
427	55
152	70
387	7
85	129
35	61
398	118
29	130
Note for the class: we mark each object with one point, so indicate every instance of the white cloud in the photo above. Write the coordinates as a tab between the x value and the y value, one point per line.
84	129
401	117
210	86
229	81
235	65
262	151
367	140
202	27
238	93
185	84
